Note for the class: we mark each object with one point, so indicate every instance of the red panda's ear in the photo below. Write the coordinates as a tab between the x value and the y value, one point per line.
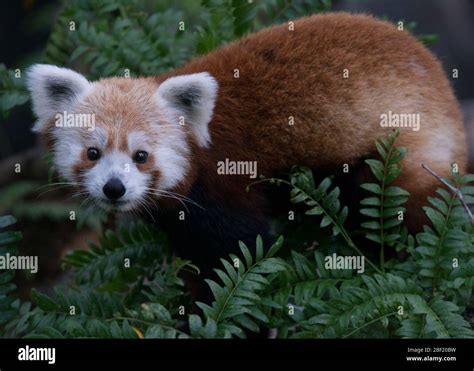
54	89
192	98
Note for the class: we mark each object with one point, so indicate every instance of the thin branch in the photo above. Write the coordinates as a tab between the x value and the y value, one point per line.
455	190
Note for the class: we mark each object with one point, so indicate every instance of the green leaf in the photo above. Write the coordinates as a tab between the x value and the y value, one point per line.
394	191
195	324
275	247
377	168
374	213
381	149
398	154
43	301
210	329
317	210
325	221
372	187
370	201
371	225
246	254
436	218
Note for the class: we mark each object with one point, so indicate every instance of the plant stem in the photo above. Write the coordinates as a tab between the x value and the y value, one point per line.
382	199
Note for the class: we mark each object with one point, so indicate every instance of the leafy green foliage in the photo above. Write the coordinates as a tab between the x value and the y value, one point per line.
446	248
440	319
321	199
7	241
237	303
297	295
229	19
12	91
283	10
385	206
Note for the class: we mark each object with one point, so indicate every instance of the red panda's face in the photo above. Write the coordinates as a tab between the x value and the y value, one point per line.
123	142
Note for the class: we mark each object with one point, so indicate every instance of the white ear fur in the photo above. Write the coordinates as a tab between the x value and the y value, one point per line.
192	97
54	89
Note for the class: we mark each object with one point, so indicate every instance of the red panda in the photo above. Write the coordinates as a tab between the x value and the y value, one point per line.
315	92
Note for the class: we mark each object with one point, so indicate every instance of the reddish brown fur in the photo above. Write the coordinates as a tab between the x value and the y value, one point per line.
300	73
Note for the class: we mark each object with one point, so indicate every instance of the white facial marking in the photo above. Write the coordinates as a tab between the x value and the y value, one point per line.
67	150
171	155
97	138
138	141
117	165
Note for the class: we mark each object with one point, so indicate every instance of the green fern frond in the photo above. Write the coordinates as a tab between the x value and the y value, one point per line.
310	278
154	321
448	243
8	239
358	308
123	257
324	201
440	319
237	302
385	208
71	313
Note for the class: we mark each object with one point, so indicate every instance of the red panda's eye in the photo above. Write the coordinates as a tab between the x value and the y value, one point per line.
140	157
93	154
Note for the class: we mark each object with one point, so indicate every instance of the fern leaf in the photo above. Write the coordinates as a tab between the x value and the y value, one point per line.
385	210
237	301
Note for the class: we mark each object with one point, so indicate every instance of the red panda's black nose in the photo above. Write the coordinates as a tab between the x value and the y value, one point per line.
114	189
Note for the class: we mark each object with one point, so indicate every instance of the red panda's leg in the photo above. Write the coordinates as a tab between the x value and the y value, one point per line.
211	231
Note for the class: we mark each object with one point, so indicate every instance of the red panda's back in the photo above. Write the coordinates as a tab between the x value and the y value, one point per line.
314	93
317	91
